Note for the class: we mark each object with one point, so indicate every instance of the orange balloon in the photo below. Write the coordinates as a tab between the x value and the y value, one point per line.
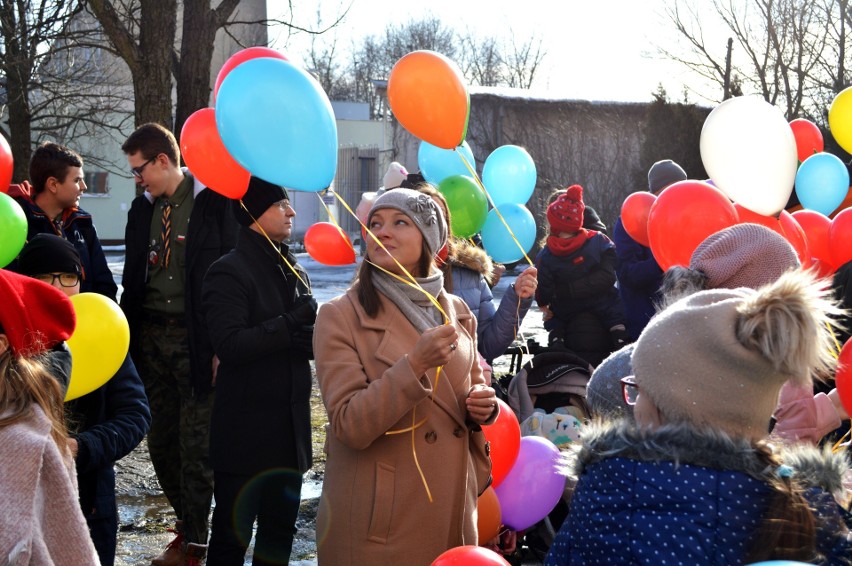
428	95
488	518
683	215
839	237
207	158
634	215
329	245
241	57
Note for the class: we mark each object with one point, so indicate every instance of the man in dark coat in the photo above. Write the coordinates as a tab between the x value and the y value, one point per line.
175	230
104	425
260	316
52	206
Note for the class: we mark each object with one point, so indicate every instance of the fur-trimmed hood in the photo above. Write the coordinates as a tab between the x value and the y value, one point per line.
473	258
710	448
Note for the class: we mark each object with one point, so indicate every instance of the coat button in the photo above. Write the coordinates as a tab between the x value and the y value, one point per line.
431	437
459	432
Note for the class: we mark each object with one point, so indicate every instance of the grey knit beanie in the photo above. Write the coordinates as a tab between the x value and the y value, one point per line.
743	255
664	173
421	209
603	392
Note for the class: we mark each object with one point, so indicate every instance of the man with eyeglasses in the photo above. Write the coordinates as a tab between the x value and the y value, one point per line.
52	206
175	230
104	425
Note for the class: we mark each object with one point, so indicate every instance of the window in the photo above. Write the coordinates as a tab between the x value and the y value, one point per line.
97	183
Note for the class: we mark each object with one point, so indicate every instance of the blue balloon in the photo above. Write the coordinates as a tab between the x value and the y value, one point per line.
822	182
277	122
498	241
509	175
436	164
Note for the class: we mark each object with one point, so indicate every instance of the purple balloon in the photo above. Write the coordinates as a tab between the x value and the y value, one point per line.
534	484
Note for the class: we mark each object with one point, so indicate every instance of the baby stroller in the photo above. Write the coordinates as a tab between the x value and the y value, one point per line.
548	396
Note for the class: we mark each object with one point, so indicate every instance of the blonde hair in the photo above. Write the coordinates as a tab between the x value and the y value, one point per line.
25	382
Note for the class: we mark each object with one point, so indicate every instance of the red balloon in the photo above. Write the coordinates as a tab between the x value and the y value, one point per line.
634	215
808	138
470	556
329	245
488	519
840	236
843	376
207	158
504	434
241	57
683	215
816	226
822	268
7	165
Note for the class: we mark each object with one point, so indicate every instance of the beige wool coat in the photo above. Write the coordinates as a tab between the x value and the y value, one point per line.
374	507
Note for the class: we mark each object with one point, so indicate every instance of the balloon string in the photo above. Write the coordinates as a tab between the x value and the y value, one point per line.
274	246
838	446
836	351
493	206
334	220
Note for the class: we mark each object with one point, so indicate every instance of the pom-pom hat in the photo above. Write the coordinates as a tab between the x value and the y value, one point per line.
565	214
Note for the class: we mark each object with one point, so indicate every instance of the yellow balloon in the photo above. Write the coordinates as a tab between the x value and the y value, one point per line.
840	119
98	345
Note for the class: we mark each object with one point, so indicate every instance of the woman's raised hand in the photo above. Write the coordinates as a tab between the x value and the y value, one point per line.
434	348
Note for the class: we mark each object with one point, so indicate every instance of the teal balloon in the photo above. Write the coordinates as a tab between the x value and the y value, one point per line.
277	122
13	229
436	164
498	241
509	175
467	203
822	182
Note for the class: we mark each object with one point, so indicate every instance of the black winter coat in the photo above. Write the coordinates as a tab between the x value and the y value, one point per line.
261	414
212	233
75	226
109	423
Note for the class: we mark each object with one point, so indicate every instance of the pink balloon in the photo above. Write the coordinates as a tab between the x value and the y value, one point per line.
534	485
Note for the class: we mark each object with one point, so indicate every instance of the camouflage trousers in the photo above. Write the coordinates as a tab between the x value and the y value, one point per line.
179	439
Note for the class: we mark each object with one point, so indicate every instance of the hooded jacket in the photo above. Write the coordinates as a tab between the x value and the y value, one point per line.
75	225
681	495
470	274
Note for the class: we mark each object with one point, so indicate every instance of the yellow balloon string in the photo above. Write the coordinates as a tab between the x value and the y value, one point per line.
491	201
838	446
837	348
333	220
416	461
274	246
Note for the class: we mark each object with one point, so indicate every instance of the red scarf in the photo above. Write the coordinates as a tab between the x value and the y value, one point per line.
562	247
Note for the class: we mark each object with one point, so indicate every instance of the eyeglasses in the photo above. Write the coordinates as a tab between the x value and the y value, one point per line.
65	279
137	171
629	389
283	204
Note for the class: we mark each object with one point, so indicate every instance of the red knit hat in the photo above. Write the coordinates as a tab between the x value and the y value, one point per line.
565	214
33	315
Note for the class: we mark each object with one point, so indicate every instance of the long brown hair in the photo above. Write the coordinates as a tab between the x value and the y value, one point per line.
24	383
788	530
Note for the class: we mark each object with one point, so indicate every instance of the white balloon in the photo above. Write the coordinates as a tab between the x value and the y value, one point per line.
749	151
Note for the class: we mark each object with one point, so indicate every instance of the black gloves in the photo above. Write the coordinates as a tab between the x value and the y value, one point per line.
303	339
303	313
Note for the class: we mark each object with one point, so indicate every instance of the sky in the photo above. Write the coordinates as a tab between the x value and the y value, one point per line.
596	49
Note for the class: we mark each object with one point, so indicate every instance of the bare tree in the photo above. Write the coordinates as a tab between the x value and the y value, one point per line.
788	51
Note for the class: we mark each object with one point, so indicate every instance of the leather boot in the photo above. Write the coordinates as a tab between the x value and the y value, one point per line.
195	554
174	553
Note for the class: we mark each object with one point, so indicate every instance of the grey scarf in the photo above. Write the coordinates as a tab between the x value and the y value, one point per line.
416	306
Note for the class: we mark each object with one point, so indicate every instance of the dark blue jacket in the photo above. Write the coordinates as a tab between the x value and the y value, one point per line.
639	279
580	282
75	226
108	424
682	496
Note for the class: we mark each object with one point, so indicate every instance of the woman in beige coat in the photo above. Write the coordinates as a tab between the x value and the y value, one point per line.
378	349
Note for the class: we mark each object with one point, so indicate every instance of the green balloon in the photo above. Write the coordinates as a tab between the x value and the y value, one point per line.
13	229
467	203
